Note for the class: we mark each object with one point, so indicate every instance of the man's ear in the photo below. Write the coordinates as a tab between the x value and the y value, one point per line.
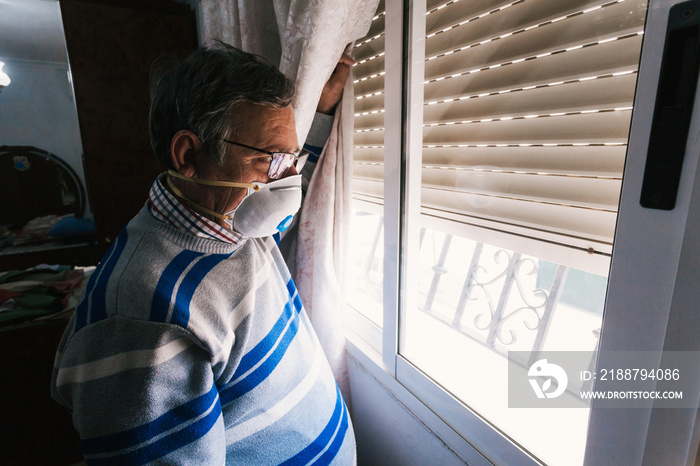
184	148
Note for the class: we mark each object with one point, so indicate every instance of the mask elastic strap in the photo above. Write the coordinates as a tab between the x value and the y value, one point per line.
194	206
225	184
199	208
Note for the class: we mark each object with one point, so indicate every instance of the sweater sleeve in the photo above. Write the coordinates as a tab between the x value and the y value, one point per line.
140	392
315	141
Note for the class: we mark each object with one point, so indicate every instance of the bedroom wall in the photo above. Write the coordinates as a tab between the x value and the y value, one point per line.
37	109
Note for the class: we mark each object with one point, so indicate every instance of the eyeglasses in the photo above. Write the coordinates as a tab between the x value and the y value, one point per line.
280	162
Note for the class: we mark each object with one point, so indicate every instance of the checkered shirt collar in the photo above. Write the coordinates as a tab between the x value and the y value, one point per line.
164	206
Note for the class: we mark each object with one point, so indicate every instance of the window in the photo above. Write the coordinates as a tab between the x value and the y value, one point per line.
525	121
511	145
368	186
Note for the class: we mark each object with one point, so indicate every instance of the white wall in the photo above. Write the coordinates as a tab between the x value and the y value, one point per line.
387	433
38	109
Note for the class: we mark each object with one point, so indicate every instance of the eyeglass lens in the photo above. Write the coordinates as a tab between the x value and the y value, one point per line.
281	162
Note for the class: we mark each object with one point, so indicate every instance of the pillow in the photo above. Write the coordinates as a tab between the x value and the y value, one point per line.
71	226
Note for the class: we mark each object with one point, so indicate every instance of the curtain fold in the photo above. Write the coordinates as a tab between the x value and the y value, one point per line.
305	39
321	243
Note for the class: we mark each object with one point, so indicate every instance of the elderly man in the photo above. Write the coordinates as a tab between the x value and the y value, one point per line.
191	345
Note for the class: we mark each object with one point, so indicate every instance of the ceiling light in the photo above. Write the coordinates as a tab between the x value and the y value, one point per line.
4	78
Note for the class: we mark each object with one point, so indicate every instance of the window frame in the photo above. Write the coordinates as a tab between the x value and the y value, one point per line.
638	293
662	235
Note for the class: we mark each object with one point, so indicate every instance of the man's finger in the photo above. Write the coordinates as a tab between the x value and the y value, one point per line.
340	72
346	60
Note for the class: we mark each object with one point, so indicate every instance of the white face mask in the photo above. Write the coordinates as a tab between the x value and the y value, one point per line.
266	208
269	209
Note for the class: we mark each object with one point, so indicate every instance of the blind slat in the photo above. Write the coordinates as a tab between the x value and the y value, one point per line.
452	13
600	60
375	120
368	155
377	25
607	161
598	94
368	46
373	65
431	4
369	103
537	218
368	187
370	85
522	29
601	160
368	138
589	193
600	128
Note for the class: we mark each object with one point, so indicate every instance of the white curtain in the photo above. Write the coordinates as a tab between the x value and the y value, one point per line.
306	38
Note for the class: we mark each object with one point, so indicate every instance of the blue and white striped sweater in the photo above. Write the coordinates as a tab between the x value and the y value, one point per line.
193	351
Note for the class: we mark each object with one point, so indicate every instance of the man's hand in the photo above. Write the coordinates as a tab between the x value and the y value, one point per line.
333	89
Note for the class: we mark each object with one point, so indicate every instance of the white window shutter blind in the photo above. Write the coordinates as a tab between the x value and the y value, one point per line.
526	116
368	75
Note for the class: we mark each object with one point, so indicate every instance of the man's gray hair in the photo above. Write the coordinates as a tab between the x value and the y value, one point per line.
201	94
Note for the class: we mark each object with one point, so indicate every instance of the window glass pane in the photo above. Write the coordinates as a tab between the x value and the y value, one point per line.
525	122
367	263
367	240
